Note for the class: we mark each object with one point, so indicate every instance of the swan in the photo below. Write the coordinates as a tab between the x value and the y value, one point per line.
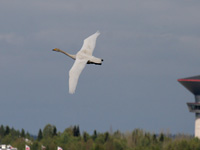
83	57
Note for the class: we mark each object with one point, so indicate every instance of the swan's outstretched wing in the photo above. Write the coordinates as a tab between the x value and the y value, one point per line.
89	43
74	74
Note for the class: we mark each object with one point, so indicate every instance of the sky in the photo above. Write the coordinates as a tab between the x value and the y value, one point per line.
146	46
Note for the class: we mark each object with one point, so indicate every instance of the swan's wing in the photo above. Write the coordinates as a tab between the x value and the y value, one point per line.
89	43
74	74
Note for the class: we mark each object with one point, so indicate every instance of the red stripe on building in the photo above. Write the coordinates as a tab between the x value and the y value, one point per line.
189	80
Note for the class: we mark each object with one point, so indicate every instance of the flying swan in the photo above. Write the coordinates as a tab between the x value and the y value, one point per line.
83	57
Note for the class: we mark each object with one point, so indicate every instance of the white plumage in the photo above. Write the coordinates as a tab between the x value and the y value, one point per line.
83	57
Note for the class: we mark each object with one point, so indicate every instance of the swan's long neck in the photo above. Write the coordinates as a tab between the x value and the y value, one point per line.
72	56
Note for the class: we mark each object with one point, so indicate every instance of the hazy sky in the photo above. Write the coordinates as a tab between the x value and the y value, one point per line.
146	46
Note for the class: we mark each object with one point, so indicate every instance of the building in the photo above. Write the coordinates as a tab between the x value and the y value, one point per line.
7	147
193	85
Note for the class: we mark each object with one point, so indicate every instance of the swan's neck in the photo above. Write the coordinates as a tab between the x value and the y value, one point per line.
72	56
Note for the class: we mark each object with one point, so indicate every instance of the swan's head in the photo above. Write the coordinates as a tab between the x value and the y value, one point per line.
56	49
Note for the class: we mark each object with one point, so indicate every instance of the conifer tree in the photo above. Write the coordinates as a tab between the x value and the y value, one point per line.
7	131
2	130
54	131
106	136
85	137
154	138
161	138
94	136
40	136
28	135
76	131
22	133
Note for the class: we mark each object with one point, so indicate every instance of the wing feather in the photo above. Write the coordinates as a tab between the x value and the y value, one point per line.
74	74
90	43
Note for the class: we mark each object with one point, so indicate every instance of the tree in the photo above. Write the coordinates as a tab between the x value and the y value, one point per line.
28	135
117	134
2	130
137	136
48	131
7	131
161	138
54	131
106	136
14	133
35	146
94	136
22	133
118	144
136	140
40	136
76	131
85	136
154	138
7	139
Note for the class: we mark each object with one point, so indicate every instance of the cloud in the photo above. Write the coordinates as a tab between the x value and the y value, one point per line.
11	38
191	41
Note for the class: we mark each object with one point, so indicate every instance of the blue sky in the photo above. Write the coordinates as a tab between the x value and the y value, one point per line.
146	46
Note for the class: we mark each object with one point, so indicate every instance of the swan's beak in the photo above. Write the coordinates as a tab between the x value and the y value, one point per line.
55	49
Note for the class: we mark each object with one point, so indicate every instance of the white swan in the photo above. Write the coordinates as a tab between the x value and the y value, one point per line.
83	57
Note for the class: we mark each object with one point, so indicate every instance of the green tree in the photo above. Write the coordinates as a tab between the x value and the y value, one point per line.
65	136
119	144
106	136
76	131
22	133
94	136
28	135
99	147
7	139
47	148
85	136
154	138
117	134
2	131
40	136
35	146
54	131
195	144
14	133
48	131
7	131
161	138
136	140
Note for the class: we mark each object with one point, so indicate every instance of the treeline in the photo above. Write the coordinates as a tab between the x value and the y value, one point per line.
72	139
